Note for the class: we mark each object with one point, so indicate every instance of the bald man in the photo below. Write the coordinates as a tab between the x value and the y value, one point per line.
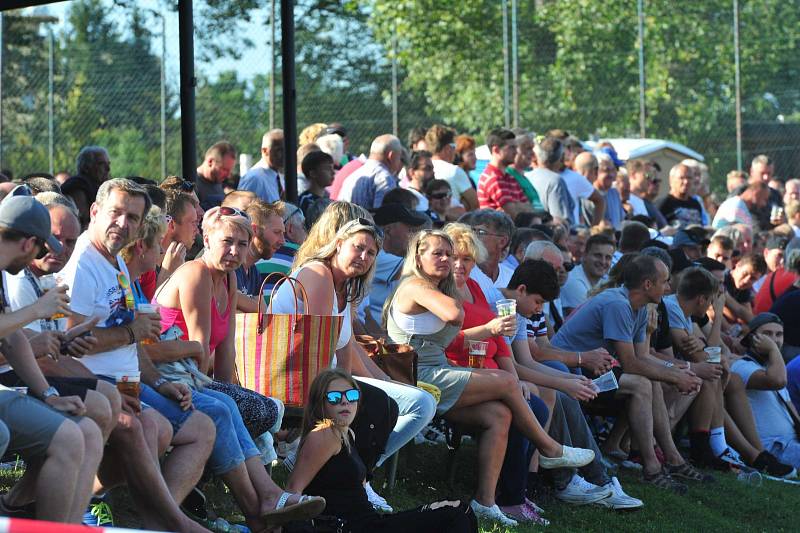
679	207
369	184
265	179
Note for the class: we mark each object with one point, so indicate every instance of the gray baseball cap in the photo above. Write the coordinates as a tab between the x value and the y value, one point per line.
27	216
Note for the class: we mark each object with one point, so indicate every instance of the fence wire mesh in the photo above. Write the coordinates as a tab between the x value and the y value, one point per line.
99	81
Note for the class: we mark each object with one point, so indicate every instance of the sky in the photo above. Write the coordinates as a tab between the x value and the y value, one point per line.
253	61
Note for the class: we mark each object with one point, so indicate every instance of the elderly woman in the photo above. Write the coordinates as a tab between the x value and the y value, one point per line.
198	301
426	312
416	407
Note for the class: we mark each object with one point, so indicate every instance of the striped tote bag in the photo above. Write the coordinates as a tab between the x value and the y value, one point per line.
279	355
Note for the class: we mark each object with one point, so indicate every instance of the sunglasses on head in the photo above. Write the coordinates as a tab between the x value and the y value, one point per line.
186	186
334	397
227	211
366	222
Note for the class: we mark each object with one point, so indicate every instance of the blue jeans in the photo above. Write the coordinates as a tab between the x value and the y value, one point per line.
514	474
233	444
416	410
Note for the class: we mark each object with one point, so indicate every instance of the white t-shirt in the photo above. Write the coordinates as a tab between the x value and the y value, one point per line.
491	289
20	293
574	291
95	291
422	200
455	176
579	187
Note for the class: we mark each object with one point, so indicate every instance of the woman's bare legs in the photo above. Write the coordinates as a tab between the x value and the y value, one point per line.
493	419
488	385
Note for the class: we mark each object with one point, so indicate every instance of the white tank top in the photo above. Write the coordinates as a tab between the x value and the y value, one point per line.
283	303
422	324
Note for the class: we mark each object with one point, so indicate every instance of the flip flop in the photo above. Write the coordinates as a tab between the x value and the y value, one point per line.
307	507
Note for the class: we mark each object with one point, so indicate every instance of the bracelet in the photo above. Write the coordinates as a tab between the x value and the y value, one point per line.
131	336
579	358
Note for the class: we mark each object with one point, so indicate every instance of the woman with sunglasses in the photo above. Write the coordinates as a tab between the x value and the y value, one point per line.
328	465
199	300
427	313
319	266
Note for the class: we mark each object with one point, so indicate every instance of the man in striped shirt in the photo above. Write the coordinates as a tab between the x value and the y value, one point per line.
496	188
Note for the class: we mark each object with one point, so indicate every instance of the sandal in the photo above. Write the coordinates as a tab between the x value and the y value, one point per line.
307	507
663	480
688	472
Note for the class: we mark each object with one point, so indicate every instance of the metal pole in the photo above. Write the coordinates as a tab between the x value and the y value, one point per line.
395	121
289	99
738	83
272	69
50	106
506	107
642	106
514	65
163	97
188	82
2	45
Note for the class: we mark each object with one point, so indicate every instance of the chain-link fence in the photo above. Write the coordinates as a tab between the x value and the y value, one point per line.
101	79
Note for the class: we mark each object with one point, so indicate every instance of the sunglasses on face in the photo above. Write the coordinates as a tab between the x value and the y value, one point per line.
227	211
439	195
43	249
334	397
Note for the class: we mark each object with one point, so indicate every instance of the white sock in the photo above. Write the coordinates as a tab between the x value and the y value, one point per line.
717	440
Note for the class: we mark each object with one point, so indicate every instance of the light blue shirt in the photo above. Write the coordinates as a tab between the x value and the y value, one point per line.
677	319
263	181
387	266
368	185
603	319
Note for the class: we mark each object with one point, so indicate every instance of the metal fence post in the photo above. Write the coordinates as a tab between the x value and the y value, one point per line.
514	65
163	97
738	83
2	45
395	121
642	81
272	68
50	106
506	107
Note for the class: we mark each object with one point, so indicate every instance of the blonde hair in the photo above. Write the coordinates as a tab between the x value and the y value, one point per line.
153	228
355	288
418	244
336	215
465	241
214	221
311	132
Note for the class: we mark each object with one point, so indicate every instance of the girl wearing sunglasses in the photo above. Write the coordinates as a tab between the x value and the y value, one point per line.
328	465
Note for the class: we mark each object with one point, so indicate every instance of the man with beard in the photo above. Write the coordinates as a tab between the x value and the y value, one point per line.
100	287
496	188
217	166
420	172
269	234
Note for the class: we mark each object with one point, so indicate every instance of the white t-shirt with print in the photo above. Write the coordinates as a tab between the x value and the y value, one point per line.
95	291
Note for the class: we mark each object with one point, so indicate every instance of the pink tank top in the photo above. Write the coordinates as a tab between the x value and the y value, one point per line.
171	316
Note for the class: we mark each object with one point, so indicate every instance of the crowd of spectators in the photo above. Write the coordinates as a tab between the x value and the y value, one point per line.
651	328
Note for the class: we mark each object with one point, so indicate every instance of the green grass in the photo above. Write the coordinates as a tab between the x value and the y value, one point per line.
726	505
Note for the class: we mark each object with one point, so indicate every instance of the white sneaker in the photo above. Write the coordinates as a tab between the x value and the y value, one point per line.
492	513
618	499
580	492
570	458
285	448
377	501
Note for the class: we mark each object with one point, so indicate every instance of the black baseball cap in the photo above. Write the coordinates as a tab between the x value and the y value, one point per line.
24	214
391	213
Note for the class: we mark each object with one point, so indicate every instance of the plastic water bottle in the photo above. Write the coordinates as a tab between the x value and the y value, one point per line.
753	478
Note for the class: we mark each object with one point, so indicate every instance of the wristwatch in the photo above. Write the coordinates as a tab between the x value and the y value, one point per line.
160	381
48	392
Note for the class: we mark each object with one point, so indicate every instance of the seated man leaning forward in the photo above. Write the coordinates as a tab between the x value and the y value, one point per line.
618	319
764	373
